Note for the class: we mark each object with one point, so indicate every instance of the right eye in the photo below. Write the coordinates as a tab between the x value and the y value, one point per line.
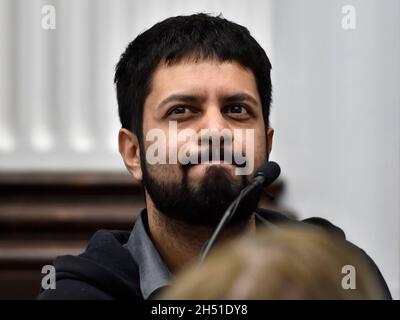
179	110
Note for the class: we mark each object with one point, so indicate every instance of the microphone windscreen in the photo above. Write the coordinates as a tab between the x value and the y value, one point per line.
270	171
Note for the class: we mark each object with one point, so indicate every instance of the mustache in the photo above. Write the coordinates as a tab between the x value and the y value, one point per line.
223	155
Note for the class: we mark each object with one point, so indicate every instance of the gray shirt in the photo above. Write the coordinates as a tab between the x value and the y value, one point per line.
153	272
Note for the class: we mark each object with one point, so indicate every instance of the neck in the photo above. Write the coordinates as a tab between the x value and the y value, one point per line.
179	243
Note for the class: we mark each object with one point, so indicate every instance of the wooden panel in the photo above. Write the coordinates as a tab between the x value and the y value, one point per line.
44	215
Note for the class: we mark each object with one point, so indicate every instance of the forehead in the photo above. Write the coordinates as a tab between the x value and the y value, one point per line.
208	77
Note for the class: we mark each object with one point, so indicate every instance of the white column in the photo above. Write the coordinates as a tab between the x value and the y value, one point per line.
7	77
109	29
76	80
34	81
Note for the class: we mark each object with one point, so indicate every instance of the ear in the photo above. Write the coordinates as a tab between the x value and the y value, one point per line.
128	144
270	137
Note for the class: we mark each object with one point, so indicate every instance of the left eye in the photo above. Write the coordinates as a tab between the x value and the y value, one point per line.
236	109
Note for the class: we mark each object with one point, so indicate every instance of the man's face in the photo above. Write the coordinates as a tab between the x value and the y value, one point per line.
201	95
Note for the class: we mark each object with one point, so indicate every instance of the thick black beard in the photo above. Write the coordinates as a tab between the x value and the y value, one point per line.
203	205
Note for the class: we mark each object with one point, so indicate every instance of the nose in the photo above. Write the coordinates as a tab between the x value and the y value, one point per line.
212	126
213	118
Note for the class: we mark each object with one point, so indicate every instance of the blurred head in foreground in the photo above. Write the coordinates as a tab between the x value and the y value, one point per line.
292	262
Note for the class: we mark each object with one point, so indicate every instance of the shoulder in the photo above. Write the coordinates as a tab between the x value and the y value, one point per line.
275	217
105	270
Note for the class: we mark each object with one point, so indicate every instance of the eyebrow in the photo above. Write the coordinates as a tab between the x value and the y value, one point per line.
238	97
179	97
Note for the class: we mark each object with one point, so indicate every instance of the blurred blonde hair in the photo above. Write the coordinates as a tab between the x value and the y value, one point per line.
291	262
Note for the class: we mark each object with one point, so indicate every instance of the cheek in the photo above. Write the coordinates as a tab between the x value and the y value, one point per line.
165	173
257	137
157	162
260	148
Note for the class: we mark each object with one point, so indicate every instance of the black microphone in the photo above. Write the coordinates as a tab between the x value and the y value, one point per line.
264	176
267	173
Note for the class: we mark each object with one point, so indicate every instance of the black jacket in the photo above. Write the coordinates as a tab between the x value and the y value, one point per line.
106	270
